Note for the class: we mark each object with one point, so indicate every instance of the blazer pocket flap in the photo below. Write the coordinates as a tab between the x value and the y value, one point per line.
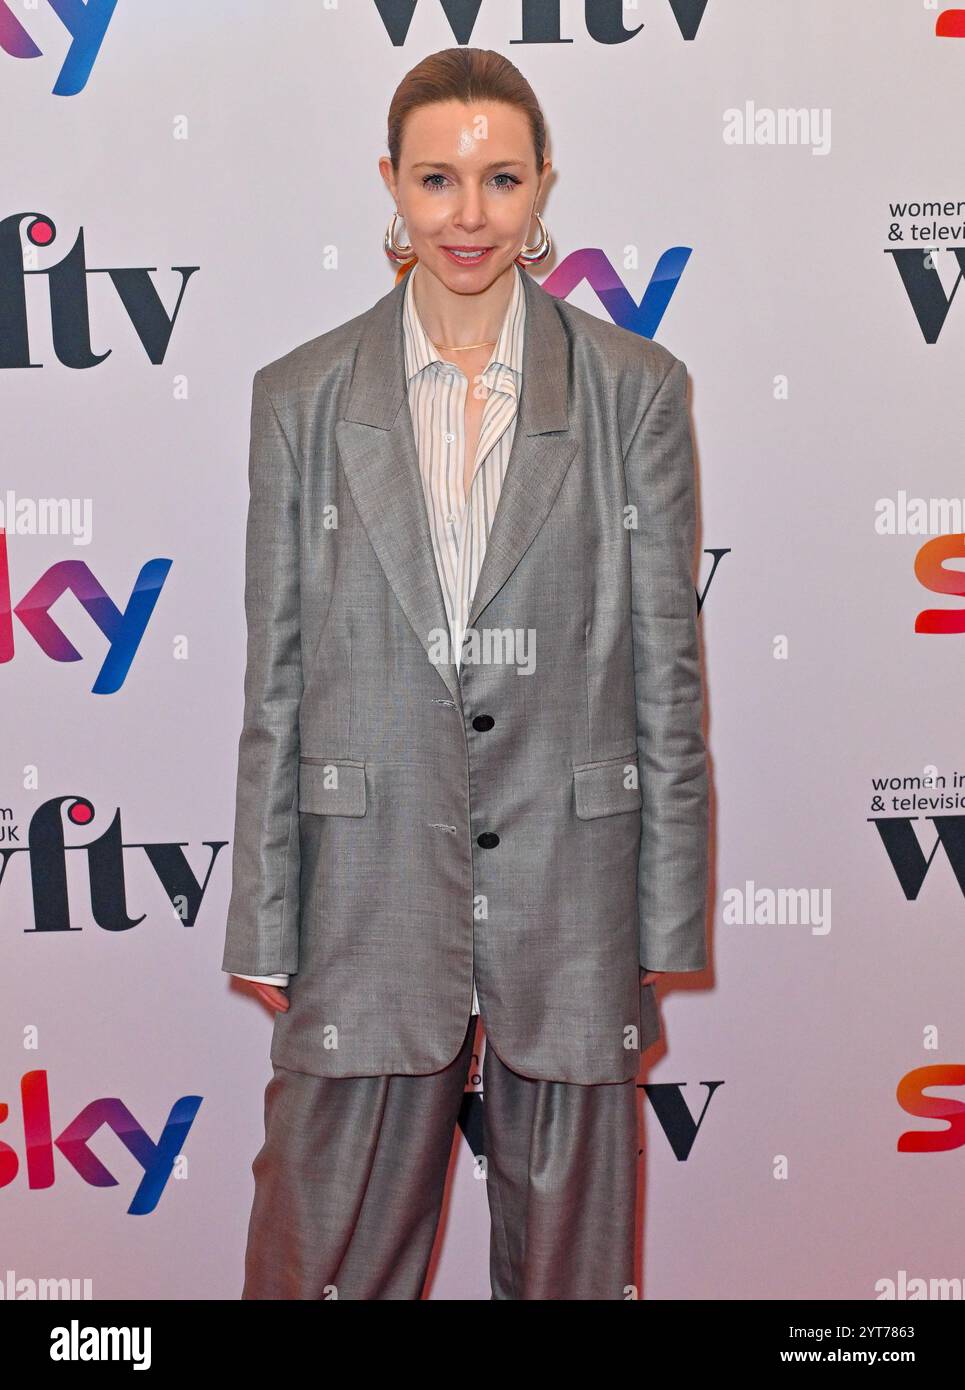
606	788
331	786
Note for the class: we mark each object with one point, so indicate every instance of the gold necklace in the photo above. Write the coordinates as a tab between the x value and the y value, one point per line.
449	347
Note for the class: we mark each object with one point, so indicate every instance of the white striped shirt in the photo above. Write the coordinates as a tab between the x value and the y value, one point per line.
437	394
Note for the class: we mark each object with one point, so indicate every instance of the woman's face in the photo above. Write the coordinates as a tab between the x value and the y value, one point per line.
467	179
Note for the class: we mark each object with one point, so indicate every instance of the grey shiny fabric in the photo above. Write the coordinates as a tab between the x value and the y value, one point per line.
561	1164
350	1181
384	844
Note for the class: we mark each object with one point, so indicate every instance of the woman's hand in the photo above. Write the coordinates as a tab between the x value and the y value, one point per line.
649	977
273	995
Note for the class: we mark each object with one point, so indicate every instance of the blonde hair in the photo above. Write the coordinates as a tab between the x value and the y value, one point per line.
467	75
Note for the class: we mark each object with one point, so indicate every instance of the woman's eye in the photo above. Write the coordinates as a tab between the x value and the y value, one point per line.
428	181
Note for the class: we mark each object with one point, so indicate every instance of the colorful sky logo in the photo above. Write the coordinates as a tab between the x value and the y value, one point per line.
593	266
912	1098
85	23
72	1143
123	630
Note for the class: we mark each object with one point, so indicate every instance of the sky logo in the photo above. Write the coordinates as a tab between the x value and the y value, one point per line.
123	631
156	1159
913	1100
86	23
594	266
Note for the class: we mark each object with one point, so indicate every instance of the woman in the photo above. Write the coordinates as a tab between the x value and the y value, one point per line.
472	774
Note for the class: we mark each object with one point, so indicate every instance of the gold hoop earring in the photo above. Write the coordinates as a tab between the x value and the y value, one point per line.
530	255
400	254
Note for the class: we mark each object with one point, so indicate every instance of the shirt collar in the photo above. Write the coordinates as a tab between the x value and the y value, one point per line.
508	352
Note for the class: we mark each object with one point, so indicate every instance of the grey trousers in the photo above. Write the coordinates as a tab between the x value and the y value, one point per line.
350	1181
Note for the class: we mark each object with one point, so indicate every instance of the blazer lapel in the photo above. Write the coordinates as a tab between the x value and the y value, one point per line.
543	447
376	444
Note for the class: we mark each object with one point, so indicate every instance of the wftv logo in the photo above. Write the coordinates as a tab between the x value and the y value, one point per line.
123	631
67	290
917	268
906	855
47	860
540	22
156	1159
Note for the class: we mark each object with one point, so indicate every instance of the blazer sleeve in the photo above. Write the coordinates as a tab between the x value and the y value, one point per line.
673	871
263	912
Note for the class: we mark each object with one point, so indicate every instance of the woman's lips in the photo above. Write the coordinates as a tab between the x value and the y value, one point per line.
467	260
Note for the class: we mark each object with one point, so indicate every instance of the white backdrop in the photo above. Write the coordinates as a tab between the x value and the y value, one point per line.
215	163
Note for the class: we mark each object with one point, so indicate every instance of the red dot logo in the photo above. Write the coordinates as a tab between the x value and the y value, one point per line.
41	231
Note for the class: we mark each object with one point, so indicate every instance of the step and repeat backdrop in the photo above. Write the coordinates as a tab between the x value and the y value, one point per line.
777	194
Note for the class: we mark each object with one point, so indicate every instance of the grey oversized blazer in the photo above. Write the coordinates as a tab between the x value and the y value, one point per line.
397	822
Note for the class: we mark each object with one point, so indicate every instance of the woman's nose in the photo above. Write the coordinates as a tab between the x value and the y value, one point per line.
470	212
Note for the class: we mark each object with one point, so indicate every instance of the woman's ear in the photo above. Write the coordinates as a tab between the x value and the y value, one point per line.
388	176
